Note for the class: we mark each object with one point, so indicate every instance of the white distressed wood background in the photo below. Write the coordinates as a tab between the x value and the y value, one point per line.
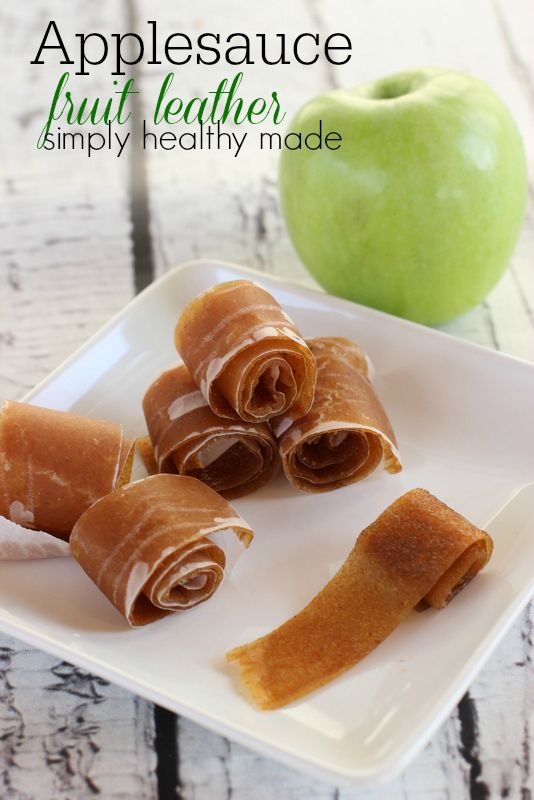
78	237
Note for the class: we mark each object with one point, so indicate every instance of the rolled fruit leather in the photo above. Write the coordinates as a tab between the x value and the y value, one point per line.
245	354
417	553
159	545
346	434
234	457
53	466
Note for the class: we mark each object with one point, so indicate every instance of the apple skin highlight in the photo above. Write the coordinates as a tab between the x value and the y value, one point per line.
417	213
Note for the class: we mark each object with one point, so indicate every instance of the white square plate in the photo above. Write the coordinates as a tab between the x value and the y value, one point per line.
463	418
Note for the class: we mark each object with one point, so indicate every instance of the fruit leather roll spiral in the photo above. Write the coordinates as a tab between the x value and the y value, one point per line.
234	457
159	545
54	465
245	354
417	553
346	434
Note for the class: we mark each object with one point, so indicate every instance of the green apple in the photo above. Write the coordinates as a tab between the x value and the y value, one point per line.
418	211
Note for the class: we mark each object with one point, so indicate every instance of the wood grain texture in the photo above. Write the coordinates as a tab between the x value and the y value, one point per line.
65	243
78	237
67	734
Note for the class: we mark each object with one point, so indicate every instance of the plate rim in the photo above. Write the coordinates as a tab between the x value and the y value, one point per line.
200	262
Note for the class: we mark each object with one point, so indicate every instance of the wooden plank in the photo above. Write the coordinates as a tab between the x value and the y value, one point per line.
66	259
65	233
516	333
211	203
68	734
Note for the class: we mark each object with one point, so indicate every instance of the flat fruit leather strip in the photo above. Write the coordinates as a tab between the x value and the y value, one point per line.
418	553
53	466
158	545
247	357
234	457
346	434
